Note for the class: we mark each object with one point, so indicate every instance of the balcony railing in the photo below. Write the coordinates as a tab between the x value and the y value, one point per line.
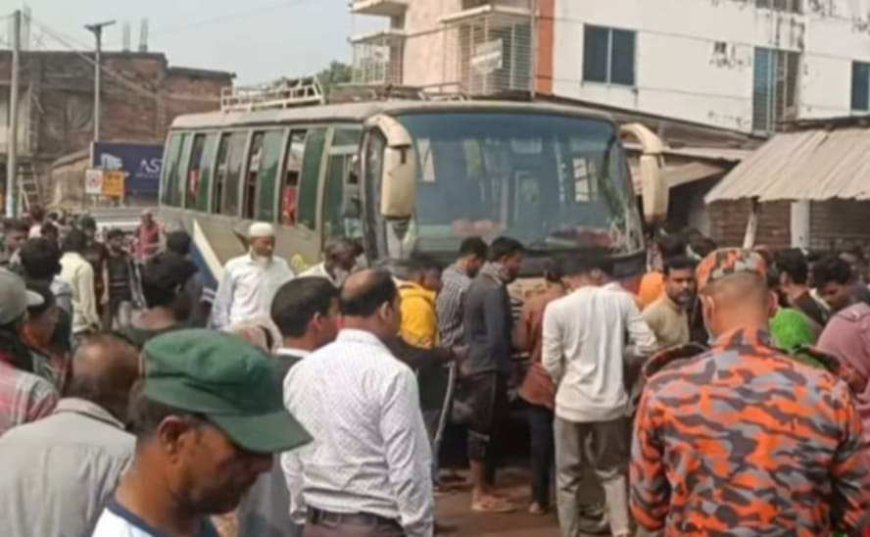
489	47
385	8
378	57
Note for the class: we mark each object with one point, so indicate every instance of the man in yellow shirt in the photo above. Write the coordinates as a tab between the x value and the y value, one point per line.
419	283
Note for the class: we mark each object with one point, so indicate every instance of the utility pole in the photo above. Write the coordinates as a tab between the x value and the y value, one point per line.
97	30
12	133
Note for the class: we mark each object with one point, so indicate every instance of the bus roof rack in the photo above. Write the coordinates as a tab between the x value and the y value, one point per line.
344	93
354	93
283	93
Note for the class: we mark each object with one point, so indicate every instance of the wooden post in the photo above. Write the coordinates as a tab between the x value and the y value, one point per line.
751	226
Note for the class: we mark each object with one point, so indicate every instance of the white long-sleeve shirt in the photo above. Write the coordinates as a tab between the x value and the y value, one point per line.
370	452
247	289
79	274
584	344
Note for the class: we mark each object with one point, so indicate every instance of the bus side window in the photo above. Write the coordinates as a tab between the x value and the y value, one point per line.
205	172
249	192
229	170
220	174
194	171
306	212
265	201
170	177
344	146
292	173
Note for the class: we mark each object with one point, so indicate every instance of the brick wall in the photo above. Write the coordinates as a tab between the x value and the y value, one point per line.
839	225
138	108
728	223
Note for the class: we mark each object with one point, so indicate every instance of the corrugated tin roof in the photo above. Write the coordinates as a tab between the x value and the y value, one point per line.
804	165
689	173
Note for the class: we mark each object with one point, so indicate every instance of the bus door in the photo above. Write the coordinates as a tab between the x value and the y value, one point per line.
344	146
297	199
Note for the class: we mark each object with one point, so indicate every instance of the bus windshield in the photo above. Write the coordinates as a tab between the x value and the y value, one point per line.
552	181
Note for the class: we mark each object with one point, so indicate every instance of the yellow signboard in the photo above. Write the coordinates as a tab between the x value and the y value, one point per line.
113	183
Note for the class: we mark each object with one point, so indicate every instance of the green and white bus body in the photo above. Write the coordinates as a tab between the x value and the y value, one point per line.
404	177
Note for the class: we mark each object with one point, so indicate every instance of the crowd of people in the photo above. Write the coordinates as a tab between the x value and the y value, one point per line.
729	396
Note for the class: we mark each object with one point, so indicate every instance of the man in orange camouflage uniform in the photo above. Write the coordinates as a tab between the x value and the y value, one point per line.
743	440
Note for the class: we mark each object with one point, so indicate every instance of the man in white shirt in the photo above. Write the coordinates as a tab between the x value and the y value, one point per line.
250	281
339	261
368	471
584	344
79	274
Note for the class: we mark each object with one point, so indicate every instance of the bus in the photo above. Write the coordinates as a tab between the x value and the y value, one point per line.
405	176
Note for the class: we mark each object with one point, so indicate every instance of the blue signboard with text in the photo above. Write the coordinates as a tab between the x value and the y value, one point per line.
141	163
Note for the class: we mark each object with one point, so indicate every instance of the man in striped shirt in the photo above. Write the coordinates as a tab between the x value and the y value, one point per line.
455	282
24	396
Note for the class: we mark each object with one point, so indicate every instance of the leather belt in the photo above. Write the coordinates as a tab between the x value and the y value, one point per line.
327	518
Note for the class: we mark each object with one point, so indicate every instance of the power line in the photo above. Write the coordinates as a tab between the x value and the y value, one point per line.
236	15
121	79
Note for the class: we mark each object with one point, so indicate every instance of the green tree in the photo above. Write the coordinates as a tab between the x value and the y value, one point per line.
336	73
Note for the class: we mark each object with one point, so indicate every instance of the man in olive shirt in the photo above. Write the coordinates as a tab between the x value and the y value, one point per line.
667	316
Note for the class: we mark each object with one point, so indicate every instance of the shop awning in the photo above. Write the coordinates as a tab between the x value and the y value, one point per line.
811	164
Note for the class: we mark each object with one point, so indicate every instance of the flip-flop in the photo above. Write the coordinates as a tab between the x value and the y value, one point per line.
493	505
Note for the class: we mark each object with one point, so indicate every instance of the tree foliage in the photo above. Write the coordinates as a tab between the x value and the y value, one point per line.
336	73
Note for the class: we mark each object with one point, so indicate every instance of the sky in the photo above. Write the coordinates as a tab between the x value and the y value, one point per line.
259	40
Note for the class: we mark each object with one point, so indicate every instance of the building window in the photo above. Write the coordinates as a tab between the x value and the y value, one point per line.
608	55
774	94
789	6
861	86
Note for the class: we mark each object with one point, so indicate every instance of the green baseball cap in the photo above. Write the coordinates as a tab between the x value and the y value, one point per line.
225	378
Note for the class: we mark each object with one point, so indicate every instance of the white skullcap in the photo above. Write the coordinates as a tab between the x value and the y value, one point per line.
260	229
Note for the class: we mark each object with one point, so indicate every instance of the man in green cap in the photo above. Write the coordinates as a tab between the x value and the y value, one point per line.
207	419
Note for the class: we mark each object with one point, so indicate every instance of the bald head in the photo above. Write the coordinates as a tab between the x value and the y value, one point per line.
735	301
370	301
745	288
365	291
104	369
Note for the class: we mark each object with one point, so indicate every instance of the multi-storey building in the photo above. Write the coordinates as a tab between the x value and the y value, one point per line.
744	65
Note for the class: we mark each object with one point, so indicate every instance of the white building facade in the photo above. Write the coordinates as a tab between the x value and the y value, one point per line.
744	65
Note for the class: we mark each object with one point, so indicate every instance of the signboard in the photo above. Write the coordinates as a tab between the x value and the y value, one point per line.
93	182
140	162
488	57
113	184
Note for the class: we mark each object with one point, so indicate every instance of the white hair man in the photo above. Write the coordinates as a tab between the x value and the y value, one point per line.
250	281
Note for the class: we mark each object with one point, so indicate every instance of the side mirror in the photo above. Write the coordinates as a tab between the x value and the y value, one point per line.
654	190
399	174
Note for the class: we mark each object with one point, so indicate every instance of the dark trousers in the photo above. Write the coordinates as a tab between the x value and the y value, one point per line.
350	530
542	451
488	404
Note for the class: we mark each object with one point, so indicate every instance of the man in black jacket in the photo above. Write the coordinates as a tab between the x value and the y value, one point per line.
488	328
305	310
